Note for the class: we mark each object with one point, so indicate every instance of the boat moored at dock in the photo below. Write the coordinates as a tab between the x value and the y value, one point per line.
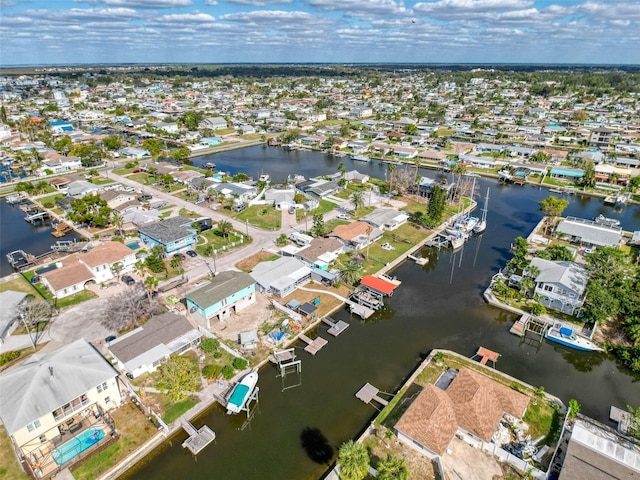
565	336
611	222
241	393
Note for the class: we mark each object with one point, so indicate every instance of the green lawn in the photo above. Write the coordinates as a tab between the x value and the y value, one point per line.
19	284
142	178
186	194
172	411
50	199
76	298
543	420
351	188
325	206
134	429
188	213
214	239
10	469
124	171
261	216
329	225
100	180
363	211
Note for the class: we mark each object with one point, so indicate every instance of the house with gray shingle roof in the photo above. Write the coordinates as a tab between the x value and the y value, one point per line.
228	292
560	285
172	234
386	218
145	348
589	233
47	395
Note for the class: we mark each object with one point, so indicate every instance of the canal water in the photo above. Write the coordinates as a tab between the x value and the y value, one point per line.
296	433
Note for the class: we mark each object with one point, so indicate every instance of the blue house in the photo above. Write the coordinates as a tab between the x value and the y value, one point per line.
228	293
172	234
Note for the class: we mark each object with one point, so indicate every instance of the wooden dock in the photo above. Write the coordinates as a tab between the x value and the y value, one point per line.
335	328
313	346
520	326
362	311
198	439
419	260
486	355
369	393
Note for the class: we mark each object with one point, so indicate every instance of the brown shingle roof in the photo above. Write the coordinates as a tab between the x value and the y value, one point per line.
351	231
108	252
319	246
472	402
72	273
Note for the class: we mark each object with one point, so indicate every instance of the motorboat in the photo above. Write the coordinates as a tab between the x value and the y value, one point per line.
565	336
457	241
611	222
242	392
360	158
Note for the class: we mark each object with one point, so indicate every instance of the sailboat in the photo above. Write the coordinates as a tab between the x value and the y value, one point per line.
482	224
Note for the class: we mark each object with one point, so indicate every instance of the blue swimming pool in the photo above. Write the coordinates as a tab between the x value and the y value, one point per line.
77	445
133	245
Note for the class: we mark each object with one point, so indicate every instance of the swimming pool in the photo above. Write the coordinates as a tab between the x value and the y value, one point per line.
77	445
133	245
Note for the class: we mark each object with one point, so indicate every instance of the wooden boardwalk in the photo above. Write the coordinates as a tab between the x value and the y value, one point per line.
313	346
198	439
369	393
335	328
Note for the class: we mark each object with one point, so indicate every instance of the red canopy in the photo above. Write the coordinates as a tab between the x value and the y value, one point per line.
378	284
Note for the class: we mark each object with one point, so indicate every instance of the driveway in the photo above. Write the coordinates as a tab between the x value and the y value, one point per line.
80	321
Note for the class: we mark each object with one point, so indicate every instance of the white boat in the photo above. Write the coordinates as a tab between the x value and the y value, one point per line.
360	158
457	241
482	224
565	336
242	392
265	177
611	222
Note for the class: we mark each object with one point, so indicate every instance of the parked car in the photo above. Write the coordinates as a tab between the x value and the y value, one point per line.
144	197
110	338
343	216
179	255
292	209
128	279
240	207
191	253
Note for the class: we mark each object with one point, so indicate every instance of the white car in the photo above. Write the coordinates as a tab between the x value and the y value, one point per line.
343	216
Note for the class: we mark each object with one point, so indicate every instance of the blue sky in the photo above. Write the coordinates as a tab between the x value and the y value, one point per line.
344	31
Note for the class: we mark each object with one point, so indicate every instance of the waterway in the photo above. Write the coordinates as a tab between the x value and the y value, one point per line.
296	433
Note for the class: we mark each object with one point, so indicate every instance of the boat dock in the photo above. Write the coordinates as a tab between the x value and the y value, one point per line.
368	393
419	260
335	328
15	198
38	216
528	324
198	439
486	355
362	311
61	229
313	346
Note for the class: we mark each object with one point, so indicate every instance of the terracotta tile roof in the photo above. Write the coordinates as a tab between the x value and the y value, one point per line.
72	273
352	230
108	252
472	402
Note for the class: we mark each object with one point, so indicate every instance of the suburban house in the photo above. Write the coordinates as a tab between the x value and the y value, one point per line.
51	397
135	153
120	200
100	264
600	138
470	406
386	218
560	285
172	234
281	198
243	192
589	233
281	277
142	350
607	173
356	235
320	253
80	188
597	452
319	188
214	123
227	293
59	165
10	311
426	186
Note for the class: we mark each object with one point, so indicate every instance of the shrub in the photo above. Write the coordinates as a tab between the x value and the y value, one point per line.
217	354
48	205
209	345
239	363
8	357
212	371
227	372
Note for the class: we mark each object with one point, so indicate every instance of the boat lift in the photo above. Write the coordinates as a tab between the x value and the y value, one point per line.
287	363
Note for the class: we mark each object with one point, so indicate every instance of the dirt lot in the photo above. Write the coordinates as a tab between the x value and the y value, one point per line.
419	466
327	302
469	463
249	263
250	318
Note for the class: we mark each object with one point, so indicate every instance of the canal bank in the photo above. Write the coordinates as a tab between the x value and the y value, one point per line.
438	305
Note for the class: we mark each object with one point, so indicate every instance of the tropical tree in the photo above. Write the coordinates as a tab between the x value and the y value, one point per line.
225	228
178	377
155	259
112	142
634	425
63	145
282	240
411	129
436	206
116	268
392	468
391	168
553	206
139	268
574	408
176	262
357	198
589	177
151	285
350	272
318	225
117	220
353	461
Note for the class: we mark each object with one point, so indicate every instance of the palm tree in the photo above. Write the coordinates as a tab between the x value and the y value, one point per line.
151	284
118	221
350	272
353	460
225	227
358	200
175	262
392	468
139	268
391	168
116	268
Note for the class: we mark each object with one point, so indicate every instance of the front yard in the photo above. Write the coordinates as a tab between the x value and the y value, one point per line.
261	216
214	241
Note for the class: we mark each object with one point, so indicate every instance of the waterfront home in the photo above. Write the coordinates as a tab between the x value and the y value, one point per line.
172	234
471	406
355	176
588	233
280	198
600	138
143	349
81	188
242	192
119	199
319	188
135	153
386	218
356	235
214	123
100	264
597	452
613	175
566	173
227	293
281	277
560	285
427	184
320	253
50	396
60	164
211	141
11	302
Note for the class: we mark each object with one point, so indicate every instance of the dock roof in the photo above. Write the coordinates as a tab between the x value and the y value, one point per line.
378	284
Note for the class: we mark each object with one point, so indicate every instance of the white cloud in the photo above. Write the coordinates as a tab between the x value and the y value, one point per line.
258	3
142	3
360	8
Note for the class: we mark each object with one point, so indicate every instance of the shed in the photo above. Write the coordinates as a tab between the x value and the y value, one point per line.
249	340
307	309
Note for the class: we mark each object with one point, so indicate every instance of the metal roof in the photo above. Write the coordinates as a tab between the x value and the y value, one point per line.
590	232
222	286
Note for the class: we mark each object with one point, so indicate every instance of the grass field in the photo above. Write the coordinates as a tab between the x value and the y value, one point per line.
9	467
249	263
213	239
18	284
261	216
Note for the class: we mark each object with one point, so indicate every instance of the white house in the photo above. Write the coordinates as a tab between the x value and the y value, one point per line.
386	218
560	285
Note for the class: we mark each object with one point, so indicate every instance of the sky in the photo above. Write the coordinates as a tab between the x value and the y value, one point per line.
47	32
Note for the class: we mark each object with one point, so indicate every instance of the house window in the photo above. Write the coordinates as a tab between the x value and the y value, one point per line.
107	400
102	387
548	288
32	426
43	438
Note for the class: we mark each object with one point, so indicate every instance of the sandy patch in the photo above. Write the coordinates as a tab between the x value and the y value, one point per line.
461	460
